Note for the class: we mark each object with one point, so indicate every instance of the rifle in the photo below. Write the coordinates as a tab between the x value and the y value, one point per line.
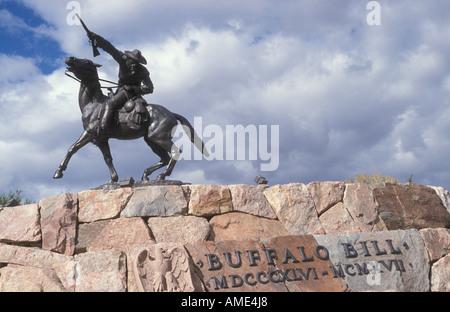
89	33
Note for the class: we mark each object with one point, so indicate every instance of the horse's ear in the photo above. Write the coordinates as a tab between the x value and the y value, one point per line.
97	65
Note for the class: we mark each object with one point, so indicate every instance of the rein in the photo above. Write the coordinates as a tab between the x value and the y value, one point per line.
79	80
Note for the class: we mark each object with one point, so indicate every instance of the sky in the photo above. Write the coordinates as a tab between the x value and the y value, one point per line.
329	89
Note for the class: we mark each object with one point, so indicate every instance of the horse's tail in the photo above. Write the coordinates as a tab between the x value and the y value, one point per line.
195	139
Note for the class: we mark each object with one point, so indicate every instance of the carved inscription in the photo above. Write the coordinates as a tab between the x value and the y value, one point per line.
301	263
233	259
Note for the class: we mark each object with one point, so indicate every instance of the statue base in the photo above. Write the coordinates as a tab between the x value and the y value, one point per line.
129	182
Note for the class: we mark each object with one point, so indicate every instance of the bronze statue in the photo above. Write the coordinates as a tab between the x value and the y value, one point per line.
134	79
124	115
156	128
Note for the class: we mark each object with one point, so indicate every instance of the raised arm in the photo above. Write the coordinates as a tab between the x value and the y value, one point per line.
108	47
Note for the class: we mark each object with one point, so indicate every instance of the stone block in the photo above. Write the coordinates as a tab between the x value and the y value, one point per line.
239	226
444	195
338	220
101	205
410	206
440	275
87	233
156	201
250	199
102	271
62	265
437	242
20	224
209	200
179	229
16	278
122	234
295	208
379	261
360	203
59	223
326	194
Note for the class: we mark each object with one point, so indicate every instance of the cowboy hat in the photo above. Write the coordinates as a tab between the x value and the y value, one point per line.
136	55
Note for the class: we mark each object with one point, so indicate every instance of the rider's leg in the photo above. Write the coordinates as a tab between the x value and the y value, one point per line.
110	106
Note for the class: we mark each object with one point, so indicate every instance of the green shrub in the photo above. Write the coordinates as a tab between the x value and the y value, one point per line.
375	178
17	195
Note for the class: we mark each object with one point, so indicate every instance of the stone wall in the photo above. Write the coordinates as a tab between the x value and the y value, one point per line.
322	236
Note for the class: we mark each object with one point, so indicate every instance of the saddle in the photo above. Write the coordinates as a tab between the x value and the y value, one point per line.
134	113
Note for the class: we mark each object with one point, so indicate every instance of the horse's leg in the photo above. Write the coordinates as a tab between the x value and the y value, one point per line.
84	139
159	152
175	155
106	151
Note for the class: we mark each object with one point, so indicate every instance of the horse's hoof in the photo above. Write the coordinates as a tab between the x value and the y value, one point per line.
58	174
160	178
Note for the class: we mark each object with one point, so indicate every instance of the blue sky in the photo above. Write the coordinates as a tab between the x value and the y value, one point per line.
348	97
19	35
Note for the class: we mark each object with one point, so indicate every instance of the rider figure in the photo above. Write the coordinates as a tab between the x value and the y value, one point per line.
134	79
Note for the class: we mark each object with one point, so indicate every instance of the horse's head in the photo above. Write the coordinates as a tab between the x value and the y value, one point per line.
83	69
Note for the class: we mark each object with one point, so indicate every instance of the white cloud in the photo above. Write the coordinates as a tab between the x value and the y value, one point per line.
348	97
16	68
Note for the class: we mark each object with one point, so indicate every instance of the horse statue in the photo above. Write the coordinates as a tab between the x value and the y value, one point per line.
135	120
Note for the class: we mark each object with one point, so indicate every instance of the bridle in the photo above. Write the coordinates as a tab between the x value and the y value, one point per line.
104	80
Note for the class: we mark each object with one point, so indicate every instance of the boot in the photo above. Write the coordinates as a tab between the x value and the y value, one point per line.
106	119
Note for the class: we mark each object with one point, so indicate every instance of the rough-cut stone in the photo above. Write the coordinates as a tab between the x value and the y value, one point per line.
338	220
410	206
20	224
103	271
209	200
252	250
440	275
15	278
444	195
219	276
326	194
295	208
359	201
437	242
304	263
122	234
87	233
59	223
250	199
379	261
239	226
33	257
101	205
156	201
179	229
